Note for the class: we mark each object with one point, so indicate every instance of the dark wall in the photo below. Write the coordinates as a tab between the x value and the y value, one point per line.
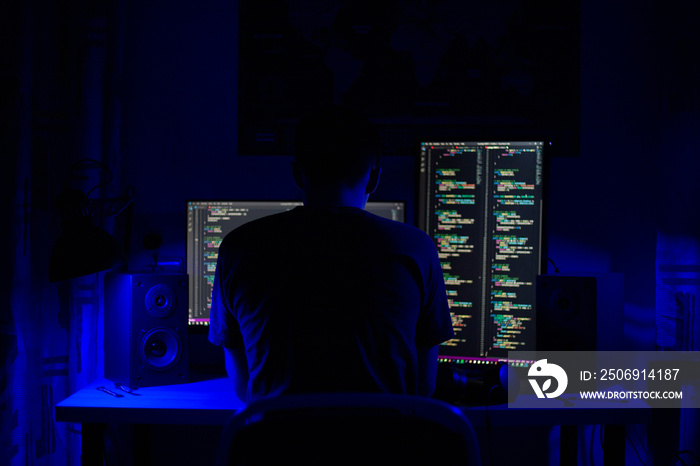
603	204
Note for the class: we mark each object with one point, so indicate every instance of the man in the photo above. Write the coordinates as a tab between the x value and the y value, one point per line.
327	297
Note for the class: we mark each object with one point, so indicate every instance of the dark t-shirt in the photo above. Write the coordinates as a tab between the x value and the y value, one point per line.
328	300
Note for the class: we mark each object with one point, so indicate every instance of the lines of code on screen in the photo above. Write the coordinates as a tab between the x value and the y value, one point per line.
482	203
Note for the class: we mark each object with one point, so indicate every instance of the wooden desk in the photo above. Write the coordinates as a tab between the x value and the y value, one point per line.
212	403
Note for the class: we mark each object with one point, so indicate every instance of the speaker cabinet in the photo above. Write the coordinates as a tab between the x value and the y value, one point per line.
580	313
145	340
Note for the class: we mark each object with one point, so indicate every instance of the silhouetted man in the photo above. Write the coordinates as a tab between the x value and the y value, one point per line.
328	297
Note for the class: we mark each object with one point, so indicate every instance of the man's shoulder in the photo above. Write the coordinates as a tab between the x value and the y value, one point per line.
394	226
397	237
256	229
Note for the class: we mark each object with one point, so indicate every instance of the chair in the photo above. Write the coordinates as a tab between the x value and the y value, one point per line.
348	428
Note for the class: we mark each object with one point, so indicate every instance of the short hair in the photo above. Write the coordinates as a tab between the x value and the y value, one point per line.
336	144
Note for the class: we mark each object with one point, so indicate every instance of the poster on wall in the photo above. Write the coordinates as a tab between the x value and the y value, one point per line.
442	69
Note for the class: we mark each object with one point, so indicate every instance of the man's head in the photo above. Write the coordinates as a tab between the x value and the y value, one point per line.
336	148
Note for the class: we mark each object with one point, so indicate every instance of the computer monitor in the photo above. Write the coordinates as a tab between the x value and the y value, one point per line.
209	221
482	203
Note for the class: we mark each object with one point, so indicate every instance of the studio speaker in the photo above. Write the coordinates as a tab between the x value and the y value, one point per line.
145	340
579	313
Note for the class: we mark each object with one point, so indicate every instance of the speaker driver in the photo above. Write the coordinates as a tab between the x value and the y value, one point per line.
160	348
160	301
565	304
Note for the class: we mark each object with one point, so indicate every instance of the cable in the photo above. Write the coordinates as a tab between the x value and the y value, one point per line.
686	452
678	457
635	449
556	269
97	162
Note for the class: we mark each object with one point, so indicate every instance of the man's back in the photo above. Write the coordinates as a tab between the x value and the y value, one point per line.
329	299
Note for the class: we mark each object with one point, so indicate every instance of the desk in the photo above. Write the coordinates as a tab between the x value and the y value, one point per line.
569	419
211	403
205	403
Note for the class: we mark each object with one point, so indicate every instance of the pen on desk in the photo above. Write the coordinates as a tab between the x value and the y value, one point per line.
126	389
110	392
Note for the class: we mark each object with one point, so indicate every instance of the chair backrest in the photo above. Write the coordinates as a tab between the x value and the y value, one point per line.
348	428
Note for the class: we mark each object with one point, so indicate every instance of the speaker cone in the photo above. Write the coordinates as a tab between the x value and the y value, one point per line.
160	348
160	301
565	304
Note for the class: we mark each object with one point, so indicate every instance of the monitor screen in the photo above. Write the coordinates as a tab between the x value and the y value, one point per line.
208	222
482	203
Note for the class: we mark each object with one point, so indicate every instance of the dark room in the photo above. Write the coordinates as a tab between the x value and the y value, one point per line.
350	232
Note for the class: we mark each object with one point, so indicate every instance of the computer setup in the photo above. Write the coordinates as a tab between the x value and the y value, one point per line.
482	202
